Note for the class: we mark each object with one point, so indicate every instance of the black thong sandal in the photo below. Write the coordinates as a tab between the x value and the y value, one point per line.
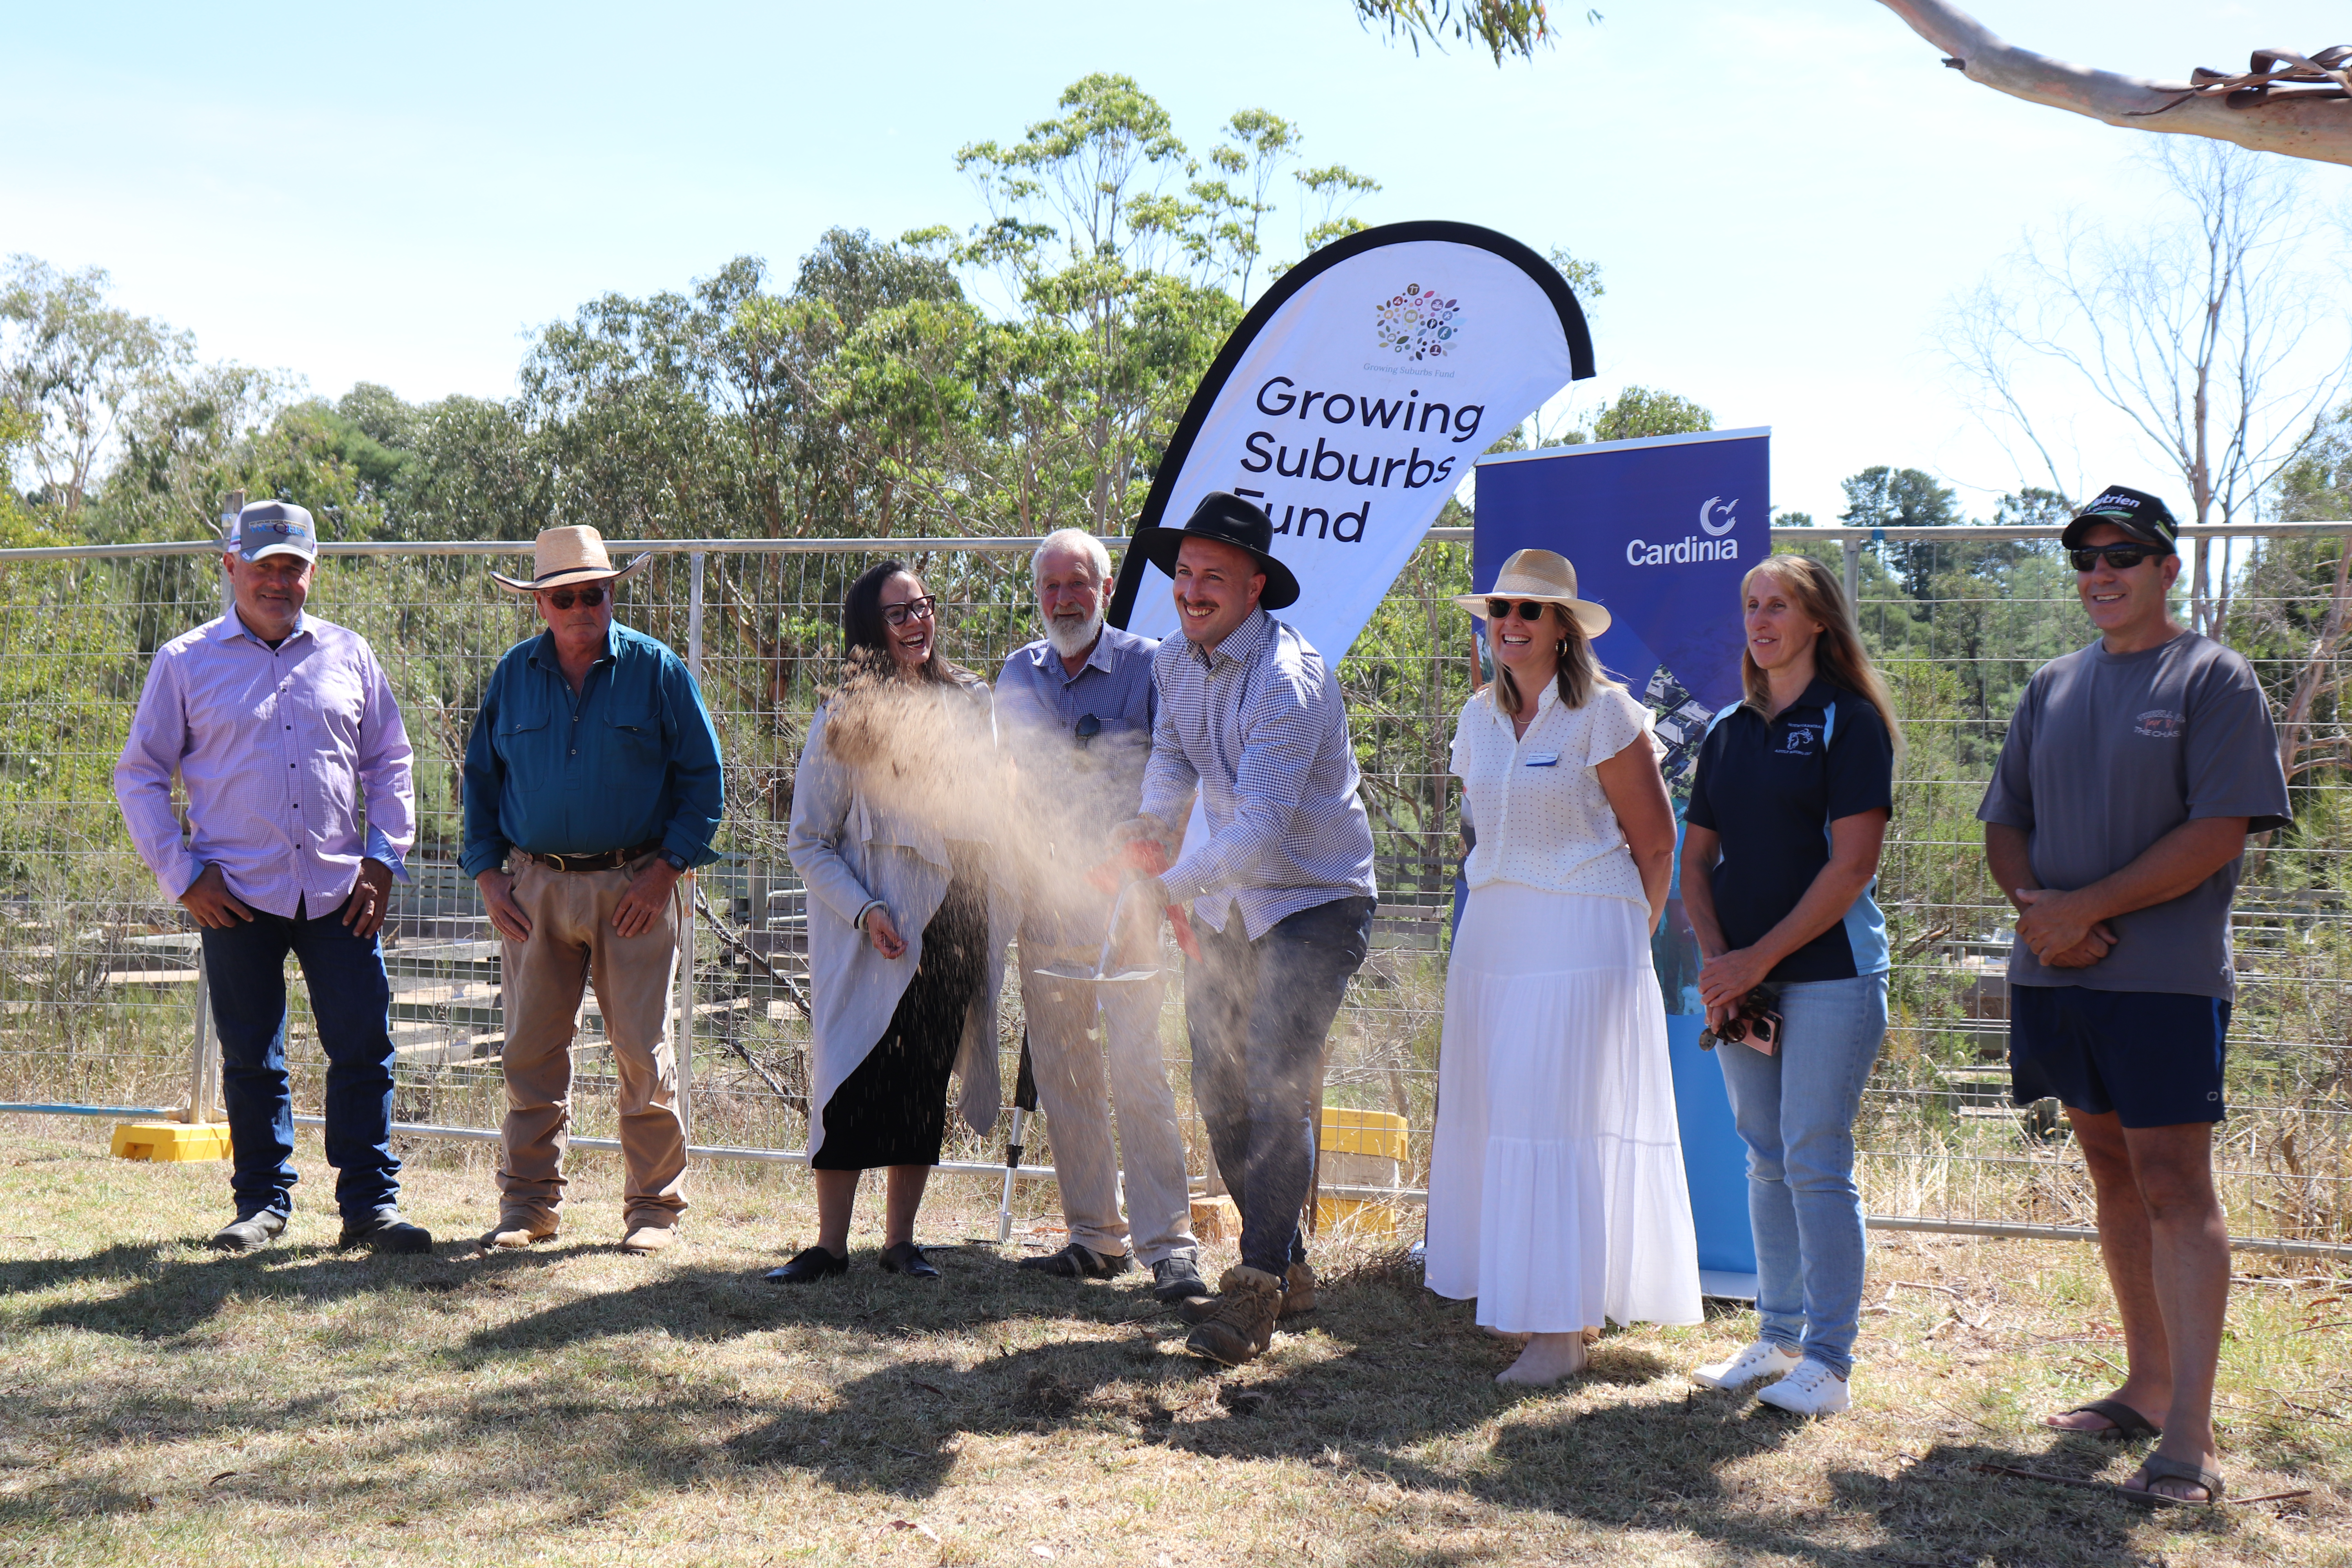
2156	1467
2124	1423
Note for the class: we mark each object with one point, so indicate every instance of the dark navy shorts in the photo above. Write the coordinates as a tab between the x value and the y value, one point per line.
2152	1058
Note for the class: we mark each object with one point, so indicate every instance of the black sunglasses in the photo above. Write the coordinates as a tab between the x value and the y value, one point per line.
2122	557
1088	727
1529	609
913	609
564	598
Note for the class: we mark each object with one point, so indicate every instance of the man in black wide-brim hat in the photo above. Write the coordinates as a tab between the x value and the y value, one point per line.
1281	889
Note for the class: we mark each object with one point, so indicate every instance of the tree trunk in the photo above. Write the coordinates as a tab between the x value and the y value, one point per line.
2299	125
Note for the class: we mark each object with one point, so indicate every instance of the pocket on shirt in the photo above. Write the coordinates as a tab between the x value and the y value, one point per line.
635	735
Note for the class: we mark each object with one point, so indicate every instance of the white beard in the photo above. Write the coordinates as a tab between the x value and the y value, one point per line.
1071	643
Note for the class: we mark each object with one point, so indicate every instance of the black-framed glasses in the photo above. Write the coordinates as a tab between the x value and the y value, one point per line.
912	610
564	598
1088	727
1529	609
2122	557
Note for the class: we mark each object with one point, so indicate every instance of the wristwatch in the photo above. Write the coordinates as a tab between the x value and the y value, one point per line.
676	861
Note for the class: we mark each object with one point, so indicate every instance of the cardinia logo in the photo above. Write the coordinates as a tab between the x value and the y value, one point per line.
2160	724
1711	542
1418	323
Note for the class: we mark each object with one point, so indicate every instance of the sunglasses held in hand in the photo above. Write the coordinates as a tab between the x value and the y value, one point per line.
1755	1022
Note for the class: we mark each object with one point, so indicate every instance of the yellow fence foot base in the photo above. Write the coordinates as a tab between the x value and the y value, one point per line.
170	1141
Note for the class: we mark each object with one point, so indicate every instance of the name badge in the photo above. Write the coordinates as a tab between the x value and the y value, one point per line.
1544	760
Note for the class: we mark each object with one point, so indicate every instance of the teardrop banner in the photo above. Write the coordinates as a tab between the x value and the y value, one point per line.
1351	401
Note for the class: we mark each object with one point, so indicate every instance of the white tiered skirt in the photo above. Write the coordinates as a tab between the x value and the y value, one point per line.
1556	1190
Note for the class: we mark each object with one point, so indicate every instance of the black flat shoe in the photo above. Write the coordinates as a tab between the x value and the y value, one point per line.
815	1263
907	1258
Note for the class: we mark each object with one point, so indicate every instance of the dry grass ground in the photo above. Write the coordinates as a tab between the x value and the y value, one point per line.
159	1403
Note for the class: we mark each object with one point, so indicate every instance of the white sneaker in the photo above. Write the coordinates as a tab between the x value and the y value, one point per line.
1762	1359
1812	1390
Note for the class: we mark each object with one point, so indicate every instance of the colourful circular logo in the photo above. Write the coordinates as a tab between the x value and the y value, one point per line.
1418	323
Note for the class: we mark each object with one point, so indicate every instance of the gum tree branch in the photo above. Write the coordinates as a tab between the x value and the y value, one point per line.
2285	104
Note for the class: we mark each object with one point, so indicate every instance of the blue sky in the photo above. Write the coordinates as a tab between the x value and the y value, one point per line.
1782	200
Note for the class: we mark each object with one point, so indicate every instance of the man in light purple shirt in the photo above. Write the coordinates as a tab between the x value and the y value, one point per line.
282	729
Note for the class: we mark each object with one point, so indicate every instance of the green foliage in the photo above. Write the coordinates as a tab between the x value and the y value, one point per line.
72	367
1640	412
1499	26
1900	498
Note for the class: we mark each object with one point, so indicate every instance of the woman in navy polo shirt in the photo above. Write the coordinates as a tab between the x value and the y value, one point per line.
1787	810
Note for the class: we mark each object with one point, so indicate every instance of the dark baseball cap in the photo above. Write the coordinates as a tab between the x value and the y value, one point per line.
2137	512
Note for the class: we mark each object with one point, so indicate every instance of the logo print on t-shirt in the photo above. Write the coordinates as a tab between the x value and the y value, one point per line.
2160	724
1799	741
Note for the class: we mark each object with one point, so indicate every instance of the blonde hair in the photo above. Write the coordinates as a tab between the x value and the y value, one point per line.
1838	652
1580	672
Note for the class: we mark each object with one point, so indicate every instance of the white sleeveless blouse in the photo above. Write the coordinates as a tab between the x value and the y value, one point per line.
1535	801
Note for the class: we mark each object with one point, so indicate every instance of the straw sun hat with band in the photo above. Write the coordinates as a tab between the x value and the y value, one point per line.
1545	577
566	558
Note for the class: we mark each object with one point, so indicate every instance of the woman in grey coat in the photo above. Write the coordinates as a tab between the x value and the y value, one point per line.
895	814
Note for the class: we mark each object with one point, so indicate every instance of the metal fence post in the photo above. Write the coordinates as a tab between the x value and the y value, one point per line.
1850	549
695	562
200	1061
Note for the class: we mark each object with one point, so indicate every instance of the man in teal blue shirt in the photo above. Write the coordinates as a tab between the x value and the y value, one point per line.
591	785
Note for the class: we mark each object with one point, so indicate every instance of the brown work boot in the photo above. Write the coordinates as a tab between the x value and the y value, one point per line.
1242	1326
646	1237
519	1230
1297	1295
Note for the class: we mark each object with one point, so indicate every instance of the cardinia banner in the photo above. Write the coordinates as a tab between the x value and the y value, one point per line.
1353	400
1661	531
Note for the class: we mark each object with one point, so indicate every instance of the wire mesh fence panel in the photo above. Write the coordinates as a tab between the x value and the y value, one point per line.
98	968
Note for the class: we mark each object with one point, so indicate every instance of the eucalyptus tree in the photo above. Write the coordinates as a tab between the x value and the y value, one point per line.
73	365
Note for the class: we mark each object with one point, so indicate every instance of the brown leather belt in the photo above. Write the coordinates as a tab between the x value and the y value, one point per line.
610	860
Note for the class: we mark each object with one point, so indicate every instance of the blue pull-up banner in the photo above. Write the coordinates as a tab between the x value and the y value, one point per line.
1661	531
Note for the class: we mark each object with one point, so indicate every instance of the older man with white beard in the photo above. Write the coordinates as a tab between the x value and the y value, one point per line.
1080	700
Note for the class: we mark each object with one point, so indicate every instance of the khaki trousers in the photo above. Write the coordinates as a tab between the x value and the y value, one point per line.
573	944
1068	1065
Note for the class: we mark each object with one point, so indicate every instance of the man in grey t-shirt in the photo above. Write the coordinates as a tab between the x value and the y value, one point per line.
2115	823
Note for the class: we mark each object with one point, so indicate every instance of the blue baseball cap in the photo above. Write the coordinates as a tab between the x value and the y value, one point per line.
275	528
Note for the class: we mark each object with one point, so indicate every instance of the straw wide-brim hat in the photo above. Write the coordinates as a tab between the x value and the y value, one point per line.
1541	574
563	557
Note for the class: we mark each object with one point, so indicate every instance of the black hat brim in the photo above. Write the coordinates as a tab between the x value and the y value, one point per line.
1161	545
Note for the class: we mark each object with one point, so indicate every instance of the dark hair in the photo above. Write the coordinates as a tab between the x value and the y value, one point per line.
866	636
1580	671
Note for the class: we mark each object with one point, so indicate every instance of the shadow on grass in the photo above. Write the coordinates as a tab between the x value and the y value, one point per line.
1370	1388
167	1293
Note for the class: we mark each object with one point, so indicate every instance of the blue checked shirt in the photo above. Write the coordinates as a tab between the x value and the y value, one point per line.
1258	724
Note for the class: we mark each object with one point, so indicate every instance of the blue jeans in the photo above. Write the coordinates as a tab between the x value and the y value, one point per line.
1795	1112
351	999
1259	1014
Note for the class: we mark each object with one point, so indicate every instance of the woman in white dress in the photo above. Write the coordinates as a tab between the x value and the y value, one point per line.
1556	1190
